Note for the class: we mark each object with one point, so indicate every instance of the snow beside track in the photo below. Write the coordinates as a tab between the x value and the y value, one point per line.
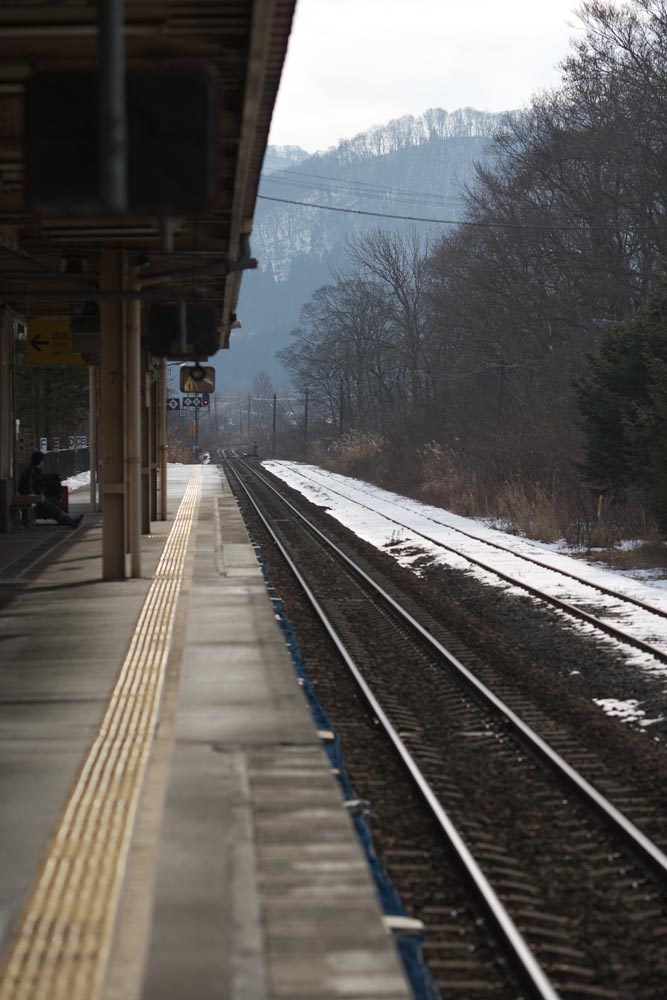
397	525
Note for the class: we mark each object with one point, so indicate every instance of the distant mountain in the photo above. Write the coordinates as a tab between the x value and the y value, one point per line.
279	157
416	167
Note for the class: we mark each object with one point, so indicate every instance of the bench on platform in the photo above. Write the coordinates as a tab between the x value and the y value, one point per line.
24	507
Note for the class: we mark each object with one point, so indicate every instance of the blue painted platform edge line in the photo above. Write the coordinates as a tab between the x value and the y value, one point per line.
409	946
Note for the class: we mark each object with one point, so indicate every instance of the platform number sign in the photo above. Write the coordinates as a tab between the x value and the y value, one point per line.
173	403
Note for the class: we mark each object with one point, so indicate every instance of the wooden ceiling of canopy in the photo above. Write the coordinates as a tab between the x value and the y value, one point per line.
241	42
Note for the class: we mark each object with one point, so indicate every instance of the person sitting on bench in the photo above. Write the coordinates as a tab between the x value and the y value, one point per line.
31	483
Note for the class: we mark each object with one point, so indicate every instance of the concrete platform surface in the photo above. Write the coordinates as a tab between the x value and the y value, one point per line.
244	878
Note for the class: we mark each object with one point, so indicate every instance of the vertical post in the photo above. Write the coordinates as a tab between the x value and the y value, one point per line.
501	379
155	433
162	437
145	443
92	434
248	421
305	426
6	395
273	440
112	419
41	419
7	424
134	431
112	123
196	448
340	411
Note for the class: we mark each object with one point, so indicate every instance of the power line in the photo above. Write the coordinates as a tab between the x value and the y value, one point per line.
378	193
294	177
526	227
414	218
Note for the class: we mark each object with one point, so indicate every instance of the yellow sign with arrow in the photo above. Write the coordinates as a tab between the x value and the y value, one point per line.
50	343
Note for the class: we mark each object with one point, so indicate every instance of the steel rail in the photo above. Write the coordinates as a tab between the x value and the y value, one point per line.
557	602
501	548
526	962
649	851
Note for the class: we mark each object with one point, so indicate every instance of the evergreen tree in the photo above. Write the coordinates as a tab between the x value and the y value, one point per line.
623	401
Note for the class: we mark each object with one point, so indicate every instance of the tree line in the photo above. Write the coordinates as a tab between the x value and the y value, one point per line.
459	359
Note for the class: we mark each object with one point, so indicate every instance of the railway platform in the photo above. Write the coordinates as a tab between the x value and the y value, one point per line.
170	824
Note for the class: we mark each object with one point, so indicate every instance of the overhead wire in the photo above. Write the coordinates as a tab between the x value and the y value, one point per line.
513	226
308	180
414	218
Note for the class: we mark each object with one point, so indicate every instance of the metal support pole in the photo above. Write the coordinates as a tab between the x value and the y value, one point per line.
134	433
112	114
154	435
92	434
7	434
145	444
501	379
196	446
112	420
7	419
273	436
305	426
162	437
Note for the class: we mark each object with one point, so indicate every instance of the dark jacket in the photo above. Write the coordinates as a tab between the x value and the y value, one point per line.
30	482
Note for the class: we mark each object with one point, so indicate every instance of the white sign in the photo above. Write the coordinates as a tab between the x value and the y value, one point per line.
71	441
43	445
81	441
55	444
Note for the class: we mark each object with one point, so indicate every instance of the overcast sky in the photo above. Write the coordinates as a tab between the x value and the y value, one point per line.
356	63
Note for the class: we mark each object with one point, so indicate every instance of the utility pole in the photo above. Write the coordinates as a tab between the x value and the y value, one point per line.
273	440
501	379
340	412
196	430
248	419
305	426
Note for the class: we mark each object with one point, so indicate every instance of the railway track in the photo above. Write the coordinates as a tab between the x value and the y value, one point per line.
560	853
619	615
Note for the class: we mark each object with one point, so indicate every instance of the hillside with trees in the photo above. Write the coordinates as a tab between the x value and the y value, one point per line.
447	364
413	166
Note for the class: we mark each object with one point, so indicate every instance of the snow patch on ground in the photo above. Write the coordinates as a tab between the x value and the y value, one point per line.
78	481
417	535
626	711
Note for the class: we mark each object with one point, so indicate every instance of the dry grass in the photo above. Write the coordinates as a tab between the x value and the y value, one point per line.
647	555
527	481
178	450
359	455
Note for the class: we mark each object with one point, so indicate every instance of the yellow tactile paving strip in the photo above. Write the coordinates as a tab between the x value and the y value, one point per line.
63	941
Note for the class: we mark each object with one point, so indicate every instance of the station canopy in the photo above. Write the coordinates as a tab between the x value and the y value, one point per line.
172	182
